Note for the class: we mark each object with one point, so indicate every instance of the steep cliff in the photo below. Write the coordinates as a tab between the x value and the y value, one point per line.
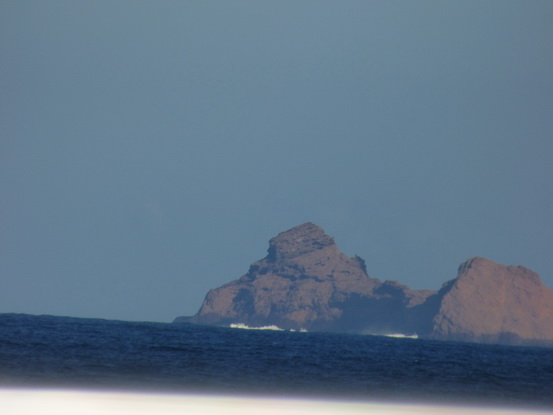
306	282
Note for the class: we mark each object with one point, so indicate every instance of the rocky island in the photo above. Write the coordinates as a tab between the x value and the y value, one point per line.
305	282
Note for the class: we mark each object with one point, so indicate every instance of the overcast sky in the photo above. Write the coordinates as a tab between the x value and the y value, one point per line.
150	149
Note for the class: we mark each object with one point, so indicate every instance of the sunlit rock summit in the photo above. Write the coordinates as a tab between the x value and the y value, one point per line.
305	282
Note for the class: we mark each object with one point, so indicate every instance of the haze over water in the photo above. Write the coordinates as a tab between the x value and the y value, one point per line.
148	151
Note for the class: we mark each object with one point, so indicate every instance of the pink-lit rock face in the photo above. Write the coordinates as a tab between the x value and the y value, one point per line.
305	282
490	302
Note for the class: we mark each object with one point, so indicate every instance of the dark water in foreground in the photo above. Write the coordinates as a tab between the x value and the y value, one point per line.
88	353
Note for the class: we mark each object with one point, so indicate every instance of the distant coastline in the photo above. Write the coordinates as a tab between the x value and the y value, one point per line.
306	283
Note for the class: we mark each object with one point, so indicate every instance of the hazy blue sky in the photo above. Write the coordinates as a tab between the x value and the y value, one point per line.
150	149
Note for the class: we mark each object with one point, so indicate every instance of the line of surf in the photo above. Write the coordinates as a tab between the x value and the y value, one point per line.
270	327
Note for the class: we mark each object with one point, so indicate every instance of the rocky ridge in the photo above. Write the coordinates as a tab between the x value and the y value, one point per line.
305	282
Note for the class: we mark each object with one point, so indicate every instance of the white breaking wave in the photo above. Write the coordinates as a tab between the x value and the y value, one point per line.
402	336
271	327
243	326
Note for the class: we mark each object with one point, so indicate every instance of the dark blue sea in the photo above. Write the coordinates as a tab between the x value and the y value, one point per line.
62	352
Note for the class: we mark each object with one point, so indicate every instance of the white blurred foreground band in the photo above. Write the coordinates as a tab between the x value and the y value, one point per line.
59	402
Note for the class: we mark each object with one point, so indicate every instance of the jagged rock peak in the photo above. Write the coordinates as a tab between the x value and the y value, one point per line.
300	240
467	264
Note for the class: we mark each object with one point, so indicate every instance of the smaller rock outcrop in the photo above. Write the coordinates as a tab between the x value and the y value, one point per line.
493	303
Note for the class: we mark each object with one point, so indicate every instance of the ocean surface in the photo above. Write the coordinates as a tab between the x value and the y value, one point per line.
93	354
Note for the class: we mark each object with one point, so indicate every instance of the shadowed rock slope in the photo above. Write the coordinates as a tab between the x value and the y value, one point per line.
305	282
